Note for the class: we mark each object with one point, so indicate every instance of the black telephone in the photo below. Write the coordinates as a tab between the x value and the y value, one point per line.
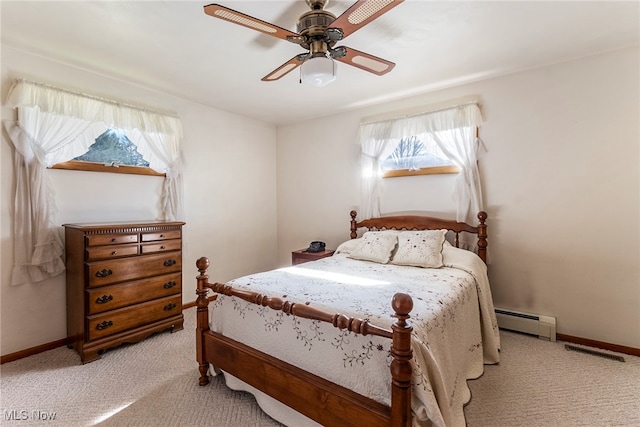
316	247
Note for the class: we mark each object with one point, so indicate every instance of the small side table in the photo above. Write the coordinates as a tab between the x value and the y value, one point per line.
301	256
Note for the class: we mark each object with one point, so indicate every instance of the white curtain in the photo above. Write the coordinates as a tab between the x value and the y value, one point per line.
55	125
453	129
162	151
378	141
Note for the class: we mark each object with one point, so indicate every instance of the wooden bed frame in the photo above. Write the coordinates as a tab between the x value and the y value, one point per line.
325	402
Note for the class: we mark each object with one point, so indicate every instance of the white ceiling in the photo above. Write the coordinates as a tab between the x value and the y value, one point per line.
173	47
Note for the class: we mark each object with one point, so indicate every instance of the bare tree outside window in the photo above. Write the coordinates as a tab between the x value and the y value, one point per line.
417	155
112	151
113	148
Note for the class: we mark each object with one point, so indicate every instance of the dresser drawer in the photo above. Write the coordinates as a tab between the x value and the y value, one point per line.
168	245
107	272
113	251
105	324
165	235
118	296
111	239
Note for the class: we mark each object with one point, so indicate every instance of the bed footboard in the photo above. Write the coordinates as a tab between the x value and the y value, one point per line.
323	401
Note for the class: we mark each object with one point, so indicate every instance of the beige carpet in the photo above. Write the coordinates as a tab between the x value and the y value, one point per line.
539	383
154	383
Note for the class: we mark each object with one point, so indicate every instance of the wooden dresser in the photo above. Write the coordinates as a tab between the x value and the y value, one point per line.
124	282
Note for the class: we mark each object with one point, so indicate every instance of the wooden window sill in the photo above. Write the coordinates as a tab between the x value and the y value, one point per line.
100	167
437	170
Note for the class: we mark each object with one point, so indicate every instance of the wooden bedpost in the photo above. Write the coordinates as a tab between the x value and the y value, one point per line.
482	236
400	366
354	229
202	319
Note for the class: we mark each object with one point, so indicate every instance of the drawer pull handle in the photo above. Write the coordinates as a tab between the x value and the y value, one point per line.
169	285
161	247
114	252
169	306
113	240
104	299
104	325
104	273
162	236
169	262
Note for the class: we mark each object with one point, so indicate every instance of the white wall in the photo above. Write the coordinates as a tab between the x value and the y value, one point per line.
561	182
230	197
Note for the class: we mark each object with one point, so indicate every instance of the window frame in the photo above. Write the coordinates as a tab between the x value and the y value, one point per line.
109	166
432	170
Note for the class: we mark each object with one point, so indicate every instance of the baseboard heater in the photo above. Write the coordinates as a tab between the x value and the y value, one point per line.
543	327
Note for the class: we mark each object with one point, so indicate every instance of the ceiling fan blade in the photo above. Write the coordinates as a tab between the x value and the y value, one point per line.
364	61
235	17
361	13
284	69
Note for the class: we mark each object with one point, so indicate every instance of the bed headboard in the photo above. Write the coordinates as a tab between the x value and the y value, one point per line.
416	222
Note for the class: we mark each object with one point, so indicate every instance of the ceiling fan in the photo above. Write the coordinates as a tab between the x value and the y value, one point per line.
318	33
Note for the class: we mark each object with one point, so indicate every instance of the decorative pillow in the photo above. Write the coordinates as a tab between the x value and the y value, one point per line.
347	247
420	248
375	246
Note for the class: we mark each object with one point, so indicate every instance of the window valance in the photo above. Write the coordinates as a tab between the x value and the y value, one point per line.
56	125
50	99
465	115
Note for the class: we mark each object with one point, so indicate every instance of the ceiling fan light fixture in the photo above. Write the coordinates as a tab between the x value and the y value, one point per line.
318	71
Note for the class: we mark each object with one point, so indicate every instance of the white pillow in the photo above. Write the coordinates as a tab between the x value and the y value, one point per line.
420	248
375	246
347	247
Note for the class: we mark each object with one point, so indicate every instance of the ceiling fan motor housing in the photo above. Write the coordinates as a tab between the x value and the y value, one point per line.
313	26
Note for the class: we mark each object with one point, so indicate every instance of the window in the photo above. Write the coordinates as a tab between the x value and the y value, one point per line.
417	155
454	129
114	152
45	125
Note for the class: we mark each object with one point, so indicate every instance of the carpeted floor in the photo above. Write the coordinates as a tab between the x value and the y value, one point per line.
539	383
155	383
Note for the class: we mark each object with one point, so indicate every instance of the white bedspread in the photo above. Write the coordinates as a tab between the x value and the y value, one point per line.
455	329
